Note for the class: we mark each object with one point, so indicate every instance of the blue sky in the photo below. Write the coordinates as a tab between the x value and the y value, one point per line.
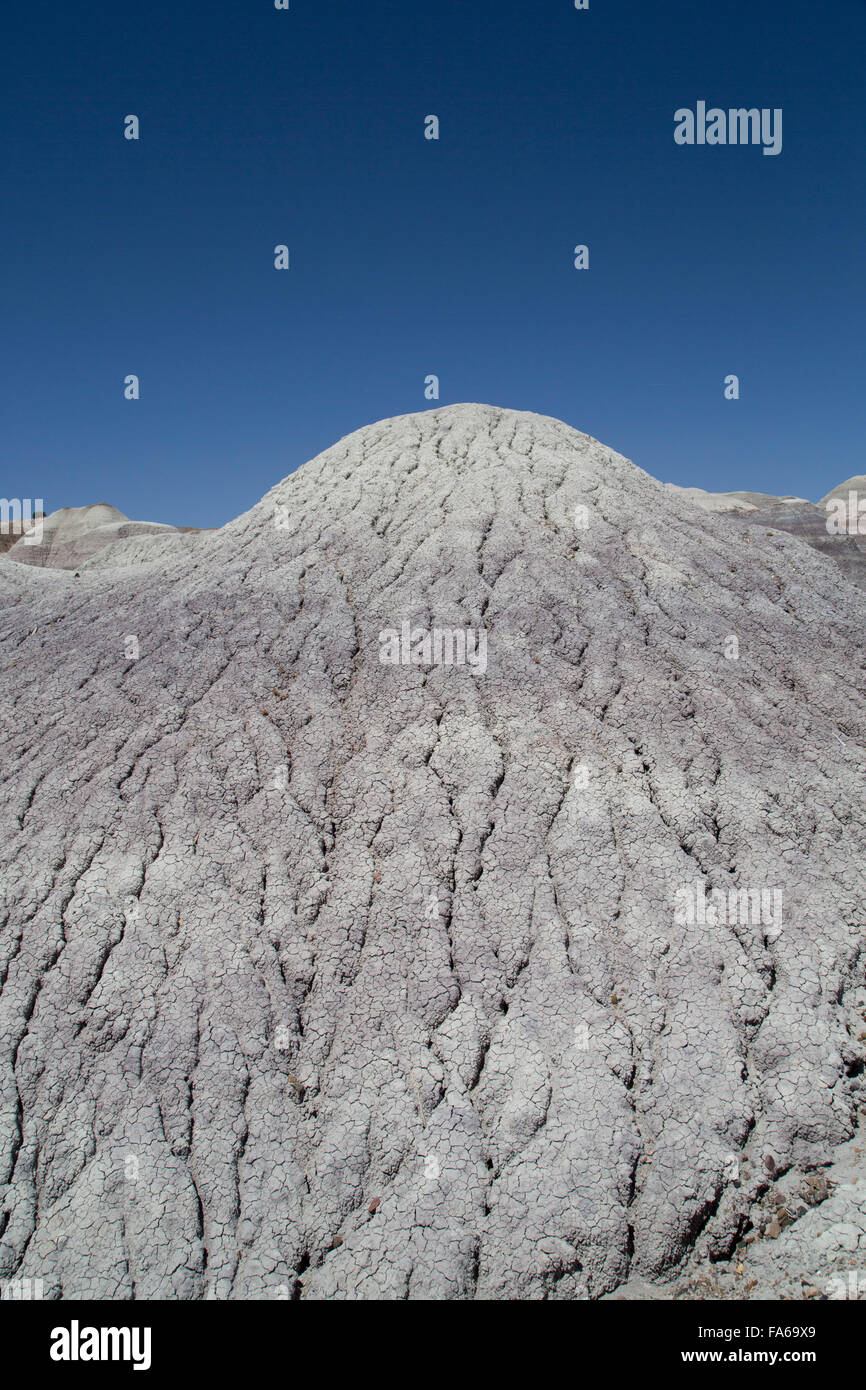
411	256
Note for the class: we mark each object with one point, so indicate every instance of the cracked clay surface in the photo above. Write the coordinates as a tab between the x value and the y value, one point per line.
330	978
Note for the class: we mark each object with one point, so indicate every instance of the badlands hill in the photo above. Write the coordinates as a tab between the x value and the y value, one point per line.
332	976
806	520
101	537
96	535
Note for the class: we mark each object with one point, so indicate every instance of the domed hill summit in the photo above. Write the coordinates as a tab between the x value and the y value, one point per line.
444	881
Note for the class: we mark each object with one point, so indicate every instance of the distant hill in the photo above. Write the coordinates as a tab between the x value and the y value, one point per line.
96	536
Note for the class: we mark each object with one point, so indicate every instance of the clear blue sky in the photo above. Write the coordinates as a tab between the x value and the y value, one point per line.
410	256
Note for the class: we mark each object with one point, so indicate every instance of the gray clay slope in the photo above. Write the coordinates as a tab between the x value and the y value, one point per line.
329	978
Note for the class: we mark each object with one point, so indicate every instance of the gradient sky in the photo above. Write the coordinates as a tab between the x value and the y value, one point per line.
411	256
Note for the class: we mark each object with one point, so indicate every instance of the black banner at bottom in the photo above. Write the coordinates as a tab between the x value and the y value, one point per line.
165	1340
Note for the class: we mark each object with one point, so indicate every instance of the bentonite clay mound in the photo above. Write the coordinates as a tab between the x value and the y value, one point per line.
95	536
328	977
